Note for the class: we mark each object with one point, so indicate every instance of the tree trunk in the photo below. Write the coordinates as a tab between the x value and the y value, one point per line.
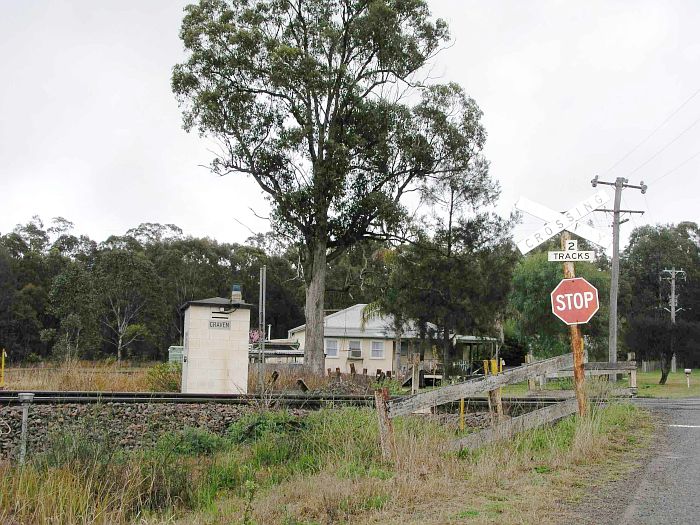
119	351
315	287
665	368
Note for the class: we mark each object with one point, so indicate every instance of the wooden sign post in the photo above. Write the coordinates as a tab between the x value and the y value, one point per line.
577	305
576	339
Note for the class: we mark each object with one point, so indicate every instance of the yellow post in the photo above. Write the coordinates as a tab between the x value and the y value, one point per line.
3	354
461	415
495	395
486	367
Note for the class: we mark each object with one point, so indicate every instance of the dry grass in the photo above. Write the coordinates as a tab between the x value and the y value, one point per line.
81	375
60	496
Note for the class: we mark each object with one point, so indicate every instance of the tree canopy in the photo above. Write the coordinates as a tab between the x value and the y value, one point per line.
645	293
321	103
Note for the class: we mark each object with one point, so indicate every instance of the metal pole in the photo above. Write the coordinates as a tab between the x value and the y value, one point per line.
261	329
576	339
25	399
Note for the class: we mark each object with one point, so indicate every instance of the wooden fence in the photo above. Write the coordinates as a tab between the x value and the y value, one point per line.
450	393
560	366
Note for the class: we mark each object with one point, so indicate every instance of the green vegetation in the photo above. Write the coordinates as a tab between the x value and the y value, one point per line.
164	377
275	467
675	387
647	327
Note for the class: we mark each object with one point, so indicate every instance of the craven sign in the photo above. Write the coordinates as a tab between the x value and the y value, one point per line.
558	222
575	301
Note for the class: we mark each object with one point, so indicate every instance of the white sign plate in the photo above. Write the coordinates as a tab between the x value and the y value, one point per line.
572	256
558	222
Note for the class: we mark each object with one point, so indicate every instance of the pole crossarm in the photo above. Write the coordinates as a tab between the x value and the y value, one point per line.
640	212
449	393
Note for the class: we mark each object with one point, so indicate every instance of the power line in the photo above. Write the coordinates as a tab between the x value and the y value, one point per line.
695	122
686	161
653	132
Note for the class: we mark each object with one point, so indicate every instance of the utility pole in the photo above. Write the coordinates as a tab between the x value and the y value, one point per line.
261	330
619	184
673	299
673	304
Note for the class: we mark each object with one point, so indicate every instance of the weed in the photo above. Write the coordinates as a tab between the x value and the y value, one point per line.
467	513
164	377
250	488
252	427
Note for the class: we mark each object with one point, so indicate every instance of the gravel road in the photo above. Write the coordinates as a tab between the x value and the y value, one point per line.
665	488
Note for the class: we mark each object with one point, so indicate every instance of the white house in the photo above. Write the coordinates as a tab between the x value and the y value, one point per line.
370	347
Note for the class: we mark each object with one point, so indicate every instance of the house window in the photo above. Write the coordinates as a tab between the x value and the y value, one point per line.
354	349
377	350
331	348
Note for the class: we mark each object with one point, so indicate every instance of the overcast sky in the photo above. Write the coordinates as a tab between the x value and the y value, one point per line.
89	128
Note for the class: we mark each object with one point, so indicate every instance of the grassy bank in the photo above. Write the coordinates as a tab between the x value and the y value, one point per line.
273	467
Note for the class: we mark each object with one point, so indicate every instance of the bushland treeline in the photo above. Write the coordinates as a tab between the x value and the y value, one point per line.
66	295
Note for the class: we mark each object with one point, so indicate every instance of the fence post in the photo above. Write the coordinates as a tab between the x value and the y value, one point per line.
386	429
531	385
495	395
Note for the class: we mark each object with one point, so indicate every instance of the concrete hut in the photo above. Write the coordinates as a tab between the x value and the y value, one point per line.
215	354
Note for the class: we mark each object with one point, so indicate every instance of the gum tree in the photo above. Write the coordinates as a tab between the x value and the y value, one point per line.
320	102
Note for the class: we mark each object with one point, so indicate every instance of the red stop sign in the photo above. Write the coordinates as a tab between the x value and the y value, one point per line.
575	301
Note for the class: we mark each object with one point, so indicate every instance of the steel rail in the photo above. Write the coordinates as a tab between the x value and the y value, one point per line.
280	399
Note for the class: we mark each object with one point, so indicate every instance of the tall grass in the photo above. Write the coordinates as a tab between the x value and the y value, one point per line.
80	375
88	376
275	467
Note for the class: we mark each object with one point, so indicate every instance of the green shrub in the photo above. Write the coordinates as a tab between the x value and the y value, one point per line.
252	427
165	377
191	442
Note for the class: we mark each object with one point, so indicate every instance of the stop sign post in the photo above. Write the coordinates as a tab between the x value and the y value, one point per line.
575	301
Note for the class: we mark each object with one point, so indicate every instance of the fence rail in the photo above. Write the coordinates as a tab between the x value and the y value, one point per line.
449	393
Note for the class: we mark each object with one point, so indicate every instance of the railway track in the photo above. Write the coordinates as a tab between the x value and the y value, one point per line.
283	399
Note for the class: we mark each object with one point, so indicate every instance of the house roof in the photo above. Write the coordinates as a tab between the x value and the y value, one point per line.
217	301
348	323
